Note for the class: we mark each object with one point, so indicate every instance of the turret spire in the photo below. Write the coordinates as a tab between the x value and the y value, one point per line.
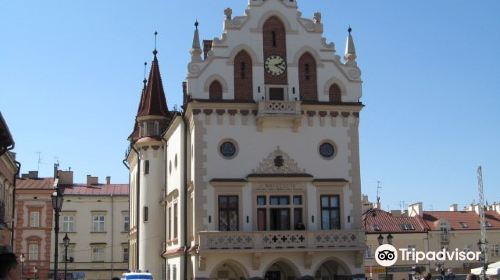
196	48
350	50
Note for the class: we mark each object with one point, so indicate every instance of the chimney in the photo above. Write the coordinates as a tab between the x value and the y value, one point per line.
33	174
415	209
65	177
25	176
207	46
454	207
92	180
396	213
108	180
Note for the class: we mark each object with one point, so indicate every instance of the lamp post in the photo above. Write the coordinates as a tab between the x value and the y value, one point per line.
22	259
380	240
35	272
66	244
57	202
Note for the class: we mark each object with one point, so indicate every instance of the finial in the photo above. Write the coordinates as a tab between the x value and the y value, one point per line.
349	29
145	80
196	23
156	39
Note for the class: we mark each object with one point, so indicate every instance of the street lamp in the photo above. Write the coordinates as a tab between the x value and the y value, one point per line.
35	272
57	202
380	240
22	259
66	244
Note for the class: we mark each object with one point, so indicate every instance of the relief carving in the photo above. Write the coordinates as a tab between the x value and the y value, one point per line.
278	162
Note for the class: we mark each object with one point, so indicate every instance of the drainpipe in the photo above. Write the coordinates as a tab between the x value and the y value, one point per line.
112	235
137	213
185	198
128	168
165	153
18	164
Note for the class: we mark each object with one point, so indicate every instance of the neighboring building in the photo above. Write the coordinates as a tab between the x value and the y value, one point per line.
259	176
456	229
96	218
33	227
406	232
431	231
8	171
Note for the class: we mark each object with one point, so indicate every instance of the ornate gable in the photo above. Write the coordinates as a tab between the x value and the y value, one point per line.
278	162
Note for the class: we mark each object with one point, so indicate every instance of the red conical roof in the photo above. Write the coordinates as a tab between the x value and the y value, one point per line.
153	101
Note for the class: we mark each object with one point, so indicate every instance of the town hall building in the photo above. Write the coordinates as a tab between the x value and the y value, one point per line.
259	176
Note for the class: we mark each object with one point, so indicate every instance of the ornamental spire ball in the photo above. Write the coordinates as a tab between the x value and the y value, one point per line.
156	37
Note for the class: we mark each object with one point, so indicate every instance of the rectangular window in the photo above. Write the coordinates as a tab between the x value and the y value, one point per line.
68	224
98	254
146	167
174	272
368	252
175	220
125	253
284	212
146	213
168	272
280	219
277	94
228	213
98	223
126	223
35	219
280	200
330	212
33	251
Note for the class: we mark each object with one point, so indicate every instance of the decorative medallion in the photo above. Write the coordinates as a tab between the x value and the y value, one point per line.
278	162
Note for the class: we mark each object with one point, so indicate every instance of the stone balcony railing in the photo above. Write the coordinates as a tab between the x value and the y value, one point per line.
261	240
274	107
279	113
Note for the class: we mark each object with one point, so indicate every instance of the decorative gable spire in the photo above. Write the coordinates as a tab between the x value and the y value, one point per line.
350	50
153	101
196	48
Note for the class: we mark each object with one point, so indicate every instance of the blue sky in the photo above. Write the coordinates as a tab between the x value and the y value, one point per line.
71	72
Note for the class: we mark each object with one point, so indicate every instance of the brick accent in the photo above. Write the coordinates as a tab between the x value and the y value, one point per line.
335	94
274	34
215	91
308	78
243	77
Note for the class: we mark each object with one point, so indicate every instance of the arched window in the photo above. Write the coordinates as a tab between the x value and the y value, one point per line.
335	94
215	91
243	89
274	44
307	78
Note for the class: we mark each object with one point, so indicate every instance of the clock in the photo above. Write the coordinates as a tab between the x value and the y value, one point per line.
275	65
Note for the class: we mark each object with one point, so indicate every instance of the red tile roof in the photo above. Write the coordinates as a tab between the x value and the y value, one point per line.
379	221
97	190
469	219
35	184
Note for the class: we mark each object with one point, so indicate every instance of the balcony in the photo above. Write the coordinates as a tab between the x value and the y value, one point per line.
298	240
274	113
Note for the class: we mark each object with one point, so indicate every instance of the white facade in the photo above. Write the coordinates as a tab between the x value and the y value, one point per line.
96	219
266	188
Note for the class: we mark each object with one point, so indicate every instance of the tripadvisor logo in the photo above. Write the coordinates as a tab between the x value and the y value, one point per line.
387	255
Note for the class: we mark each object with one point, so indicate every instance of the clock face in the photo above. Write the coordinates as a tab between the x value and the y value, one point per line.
275	65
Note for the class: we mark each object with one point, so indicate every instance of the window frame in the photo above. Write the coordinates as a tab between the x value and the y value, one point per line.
330	208
68	225
227	210
96	224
